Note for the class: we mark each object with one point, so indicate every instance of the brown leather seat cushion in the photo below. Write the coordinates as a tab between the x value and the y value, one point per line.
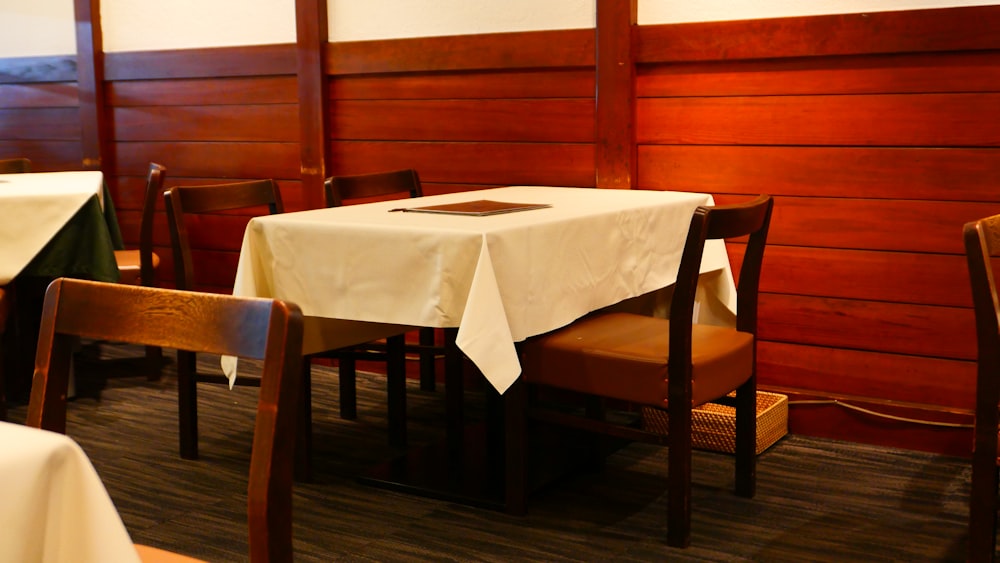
624	356
129	265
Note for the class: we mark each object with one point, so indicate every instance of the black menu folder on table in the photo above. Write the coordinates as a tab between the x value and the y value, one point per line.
478	207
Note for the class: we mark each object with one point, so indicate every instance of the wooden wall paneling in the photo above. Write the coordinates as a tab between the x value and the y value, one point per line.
90	78
46	156
932	173
857	74
39	95
917	330
873	224
551	164
31	70
213	62
912	31
859	373
895	277
242	123
898	120
535	120
827	420
56	124
219	160
488	51
615	121
312	33
240	90
570	82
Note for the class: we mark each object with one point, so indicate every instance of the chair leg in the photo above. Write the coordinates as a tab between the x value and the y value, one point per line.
187	399
303	426
679	474
154	361
396	389
348	386
428	375
516	448
983	506
746	439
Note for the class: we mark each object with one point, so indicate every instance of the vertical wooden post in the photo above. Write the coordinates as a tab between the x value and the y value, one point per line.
615	124
90	83
312	36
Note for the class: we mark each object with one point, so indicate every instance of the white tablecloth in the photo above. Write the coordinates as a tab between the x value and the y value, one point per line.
499	278
53	506
33	207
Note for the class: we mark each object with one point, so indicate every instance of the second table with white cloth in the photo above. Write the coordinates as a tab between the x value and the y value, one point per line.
363	271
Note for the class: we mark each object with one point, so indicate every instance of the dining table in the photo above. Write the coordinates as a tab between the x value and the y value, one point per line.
52	224
53	506
491	279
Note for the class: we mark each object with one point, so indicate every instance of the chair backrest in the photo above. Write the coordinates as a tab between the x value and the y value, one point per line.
181	200
265	329
154	188
721	222
982	242
379	185
15	166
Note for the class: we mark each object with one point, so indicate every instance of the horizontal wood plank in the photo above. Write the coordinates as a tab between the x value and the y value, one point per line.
40	124
47	95
861	74
901	120
917	330
242	123
881	376
46	156
560	121
214	62
488	51
545	164
896	277
867	224
910	31
529	83
203	92
211	160
956	174
22	70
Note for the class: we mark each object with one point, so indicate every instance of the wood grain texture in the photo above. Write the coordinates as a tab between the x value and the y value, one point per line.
913	31
955	174
496	84
250	60
201	92
860	373
615	125
918	330
855	74
897	120
26	95
548	164
534	121
22	70
488	51
242	123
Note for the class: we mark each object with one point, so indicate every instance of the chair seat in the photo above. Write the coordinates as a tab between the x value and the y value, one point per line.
149	554
583	356
129	266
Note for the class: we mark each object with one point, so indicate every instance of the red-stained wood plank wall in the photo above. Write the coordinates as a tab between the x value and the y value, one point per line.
876	133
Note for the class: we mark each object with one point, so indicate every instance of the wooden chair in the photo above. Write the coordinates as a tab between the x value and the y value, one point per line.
982	243
15	166
341	190
138	266
262	329
182	201
672	365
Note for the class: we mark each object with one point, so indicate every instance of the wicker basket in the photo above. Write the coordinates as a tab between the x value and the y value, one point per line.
713	426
